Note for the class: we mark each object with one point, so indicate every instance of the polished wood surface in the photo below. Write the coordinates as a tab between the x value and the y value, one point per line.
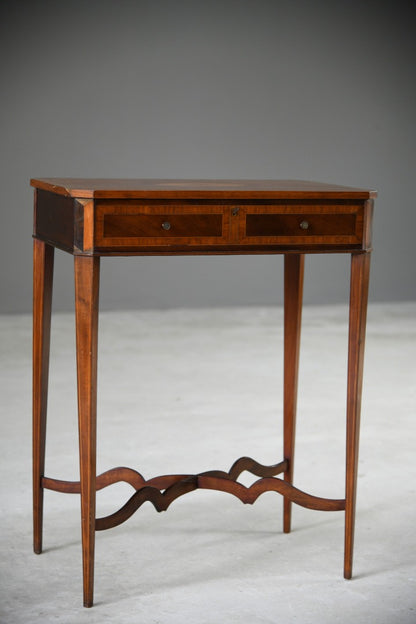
138	225
43	259
293	295
93	218
210	221
199	189
86	320
360	275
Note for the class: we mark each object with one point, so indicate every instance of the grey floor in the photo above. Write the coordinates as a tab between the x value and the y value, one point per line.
187	391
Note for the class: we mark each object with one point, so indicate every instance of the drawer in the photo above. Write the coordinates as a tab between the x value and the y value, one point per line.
303	225
132	224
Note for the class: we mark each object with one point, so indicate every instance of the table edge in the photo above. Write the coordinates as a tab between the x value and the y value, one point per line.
215	193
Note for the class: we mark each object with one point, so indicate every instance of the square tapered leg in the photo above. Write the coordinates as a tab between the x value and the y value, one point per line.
86	315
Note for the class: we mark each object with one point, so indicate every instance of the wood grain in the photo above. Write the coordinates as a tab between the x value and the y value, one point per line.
198	189
43	256
54	219
248	495
205	219
86	316
137	481
293	294
360	274
175	486
110	477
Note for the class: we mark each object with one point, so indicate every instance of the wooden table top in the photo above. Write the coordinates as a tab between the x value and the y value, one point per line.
100	188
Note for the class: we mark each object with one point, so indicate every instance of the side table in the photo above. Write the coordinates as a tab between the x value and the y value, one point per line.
90	218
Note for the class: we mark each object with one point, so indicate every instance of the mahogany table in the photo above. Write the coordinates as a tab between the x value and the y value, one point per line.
90	218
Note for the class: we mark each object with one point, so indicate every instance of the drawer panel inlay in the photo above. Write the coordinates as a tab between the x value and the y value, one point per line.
295	225
303	225
138	225
152	225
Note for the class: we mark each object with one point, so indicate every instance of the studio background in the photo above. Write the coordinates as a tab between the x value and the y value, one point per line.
300	89
224	89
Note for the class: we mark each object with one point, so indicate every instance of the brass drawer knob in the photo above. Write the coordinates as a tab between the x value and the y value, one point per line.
166	225
304	225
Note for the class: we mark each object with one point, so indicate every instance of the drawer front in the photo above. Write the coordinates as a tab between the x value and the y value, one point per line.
131	224
328	225
173	227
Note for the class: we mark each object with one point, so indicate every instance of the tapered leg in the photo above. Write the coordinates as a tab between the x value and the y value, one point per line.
360	272
43	256
293	290
86	314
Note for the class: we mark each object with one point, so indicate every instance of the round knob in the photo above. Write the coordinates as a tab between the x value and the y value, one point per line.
304	225
166	225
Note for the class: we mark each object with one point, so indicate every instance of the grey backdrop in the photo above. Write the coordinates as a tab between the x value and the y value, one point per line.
231	88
